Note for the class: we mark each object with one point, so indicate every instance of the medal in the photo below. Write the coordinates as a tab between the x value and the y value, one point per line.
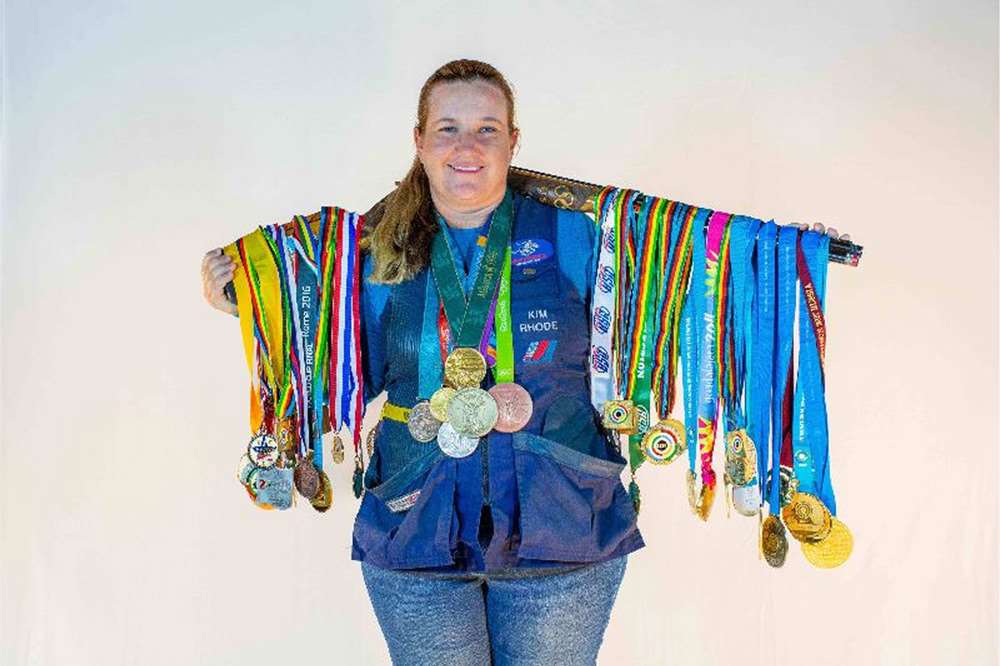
465	367
806	517
514	406
664	442
306	478
324	498
620	415
274	488
244	468
747	499
741	457
439	402
421	423
453	444
472	412
833	550
338	450
370	441
773	542
263	450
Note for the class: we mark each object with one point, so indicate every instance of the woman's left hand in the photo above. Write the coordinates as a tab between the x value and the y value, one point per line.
820	229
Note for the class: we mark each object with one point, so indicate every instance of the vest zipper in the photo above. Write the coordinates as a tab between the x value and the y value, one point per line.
486	470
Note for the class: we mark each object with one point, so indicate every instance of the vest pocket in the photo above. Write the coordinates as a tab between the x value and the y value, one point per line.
573	506
406	521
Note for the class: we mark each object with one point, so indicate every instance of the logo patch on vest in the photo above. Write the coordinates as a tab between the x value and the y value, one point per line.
403	502
540	351
527	251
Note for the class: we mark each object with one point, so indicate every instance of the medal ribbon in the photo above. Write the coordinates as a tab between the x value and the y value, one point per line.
783	374
761	361
742	231
708	400
467	318
810	435
675	267
603	302
694	316
503	371
649	227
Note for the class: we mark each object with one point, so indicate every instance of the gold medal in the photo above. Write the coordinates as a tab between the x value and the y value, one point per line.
620	416
370	441
741	457
324	498
338	450
700	499
664	442
465	367
439	402
773	542
806	518
833	550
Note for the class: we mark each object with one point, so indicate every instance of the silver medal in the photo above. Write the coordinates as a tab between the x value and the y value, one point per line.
746	499
472	412
454	444
421	423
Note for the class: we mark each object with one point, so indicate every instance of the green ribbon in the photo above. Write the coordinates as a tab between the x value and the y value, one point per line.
503	371
467	318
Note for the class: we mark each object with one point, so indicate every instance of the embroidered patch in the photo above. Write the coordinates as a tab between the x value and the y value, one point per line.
403	502
528	251
540	351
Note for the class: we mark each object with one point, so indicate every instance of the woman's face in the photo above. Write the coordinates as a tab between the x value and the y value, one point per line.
466	146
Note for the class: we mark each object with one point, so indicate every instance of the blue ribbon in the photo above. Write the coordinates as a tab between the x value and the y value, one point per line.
760	361
785	315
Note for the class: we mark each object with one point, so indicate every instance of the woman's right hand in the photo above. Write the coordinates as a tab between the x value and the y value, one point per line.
217	271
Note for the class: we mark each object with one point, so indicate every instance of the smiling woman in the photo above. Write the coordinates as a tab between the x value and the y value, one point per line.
507	540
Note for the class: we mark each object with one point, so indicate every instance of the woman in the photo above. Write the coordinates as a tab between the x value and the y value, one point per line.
512	551
515	551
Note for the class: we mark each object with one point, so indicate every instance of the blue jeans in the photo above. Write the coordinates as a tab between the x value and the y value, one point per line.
506	620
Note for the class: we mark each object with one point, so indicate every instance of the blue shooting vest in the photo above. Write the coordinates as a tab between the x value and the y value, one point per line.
548	495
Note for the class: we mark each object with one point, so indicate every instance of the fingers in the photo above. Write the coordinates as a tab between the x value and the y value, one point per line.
217	270
820	229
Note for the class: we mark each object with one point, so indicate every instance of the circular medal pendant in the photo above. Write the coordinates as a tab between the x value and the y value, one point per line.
244	468
337	451
323	499
439	402
514	406
421	423
806	517
263	450
465	367
472	412
306	477
453	444
664	442
741	457
274	488
746	499
773	542
833	550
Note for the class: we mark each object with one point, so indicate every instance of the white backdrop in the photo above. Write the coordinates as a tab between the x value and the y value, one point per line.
139	135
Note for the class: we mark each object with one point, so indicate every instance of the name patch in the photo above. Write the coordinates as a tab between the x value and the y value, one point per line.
403	502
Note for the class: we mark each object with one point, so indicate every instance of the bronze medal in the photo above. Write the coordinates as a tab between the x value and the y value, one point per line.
472	412
514	406
806	518
324	498
773	542
306	477
421	423
833	550
439	402
664	442
620	416
741	457
465	367
370	441
338	450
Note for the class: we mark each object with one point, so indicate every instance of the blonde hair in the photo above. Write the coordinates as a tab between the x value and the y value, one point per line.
400	242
